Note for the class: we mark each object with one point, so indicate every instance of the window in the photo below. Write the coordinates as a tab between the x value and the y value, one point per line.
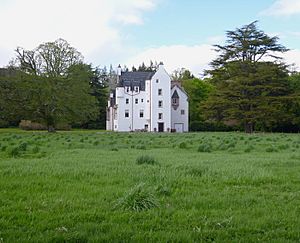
157	81
127	89
175	101
160	115
159	91
126	113
160	103
127	101
141	113
142	100
136	88
182	112
136	101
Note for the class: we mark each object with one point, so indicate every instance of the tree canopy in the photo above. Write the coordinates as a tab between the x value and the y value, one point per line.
250	91
50	85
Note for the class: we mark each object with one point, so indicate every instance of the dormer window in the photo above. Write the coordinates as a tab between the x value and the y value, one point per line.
136	88
175	100
127	89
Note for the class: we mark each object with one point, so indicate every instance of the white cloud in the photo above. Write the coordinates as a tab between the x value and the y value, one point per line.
292	57
195	58
88	25
283	8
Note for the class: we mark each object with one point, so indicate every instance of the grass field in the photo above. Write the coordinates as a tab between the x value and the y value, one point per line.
89	186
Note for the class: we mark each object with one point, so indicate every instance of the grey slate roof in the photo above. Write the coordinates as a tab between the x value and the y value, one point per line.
175	95
132	79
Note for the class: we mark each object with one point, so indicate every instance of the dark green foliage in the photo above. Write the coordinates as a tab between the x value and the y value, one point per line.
249	92
139	198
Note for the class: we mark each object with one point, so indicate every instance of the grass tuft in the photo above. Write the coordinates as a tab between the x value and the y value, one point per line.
139	198
146	159
206	148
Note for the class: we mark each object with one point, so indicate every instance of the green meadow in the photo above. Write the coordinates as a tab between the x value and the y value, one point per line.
97	186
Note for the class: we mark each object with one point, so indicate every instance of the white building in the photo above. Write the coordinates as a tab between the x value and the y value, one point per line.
147	101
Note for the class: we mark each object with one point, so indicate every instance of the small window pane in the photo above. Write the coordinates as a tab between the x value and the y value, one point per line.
126	113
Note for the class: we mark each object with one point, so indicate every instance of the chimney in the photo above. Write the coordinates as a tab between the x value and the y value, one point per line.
160	65
119	70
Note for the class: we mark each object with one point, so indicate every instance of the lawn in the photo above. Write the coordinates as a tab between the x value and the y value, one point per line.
96	186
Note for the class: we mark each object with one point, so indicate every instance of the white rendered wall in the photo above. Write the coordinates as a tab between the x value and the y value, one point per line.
134	121
164	83
177	117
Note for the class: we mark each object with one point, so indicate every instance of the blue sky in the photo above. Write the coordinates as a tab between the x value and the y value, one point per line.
179	33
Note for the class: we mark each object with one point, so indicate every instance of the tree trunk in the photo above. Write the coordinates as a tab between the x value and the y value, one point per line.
249	127
51	128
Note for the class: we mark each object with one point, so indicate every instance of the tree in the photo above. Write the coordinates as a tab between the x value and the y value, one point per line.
99	89
182	74
198	91
51	59
54	85
249	89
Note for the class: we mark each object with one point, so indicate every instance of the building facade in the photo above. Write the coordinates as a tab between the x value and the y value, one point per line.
147	101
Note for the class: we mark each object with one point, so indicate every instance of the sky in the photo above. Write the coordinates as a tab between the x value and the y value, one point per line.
180	33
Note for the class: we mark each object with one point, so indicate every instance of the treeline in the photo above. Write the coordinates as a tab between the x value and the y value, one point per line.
52	85
248	87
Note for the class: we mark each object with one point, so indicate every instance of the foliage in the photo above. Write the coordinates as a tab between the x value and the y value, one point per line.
51	59
198	91
249	91
50	85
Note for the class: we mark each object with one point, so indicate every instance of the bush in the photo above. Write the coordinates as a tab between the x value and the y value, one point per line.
146	159
139	198
29	125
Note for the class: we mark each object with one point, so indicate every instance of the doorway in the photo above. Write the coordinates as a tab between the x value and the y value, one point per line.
160	127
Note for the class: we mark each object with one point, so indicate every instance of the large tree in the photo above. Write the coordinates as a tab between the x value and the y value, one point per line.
51	86
51	59
249	89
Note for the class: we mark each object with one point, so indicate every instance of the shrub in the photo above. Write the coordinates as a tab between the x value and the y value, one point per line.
146	159
139	198
29	125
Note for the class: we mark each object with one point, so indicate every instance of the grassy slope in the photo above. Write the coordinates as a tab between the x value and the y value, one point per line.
65	186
